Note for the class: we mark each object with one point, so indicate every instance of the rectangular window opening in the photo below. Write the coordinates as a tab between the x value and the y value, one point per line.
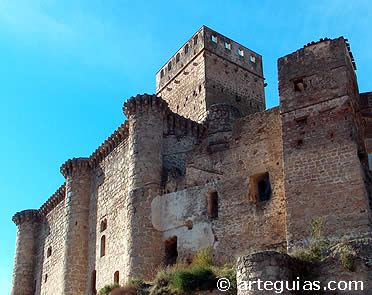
228	45
260	187
214	38
171	252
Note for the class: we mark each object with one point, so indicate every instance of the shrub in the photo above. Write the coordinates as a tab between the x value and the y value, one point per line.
107	289
347	261
203	258
195	278
228	272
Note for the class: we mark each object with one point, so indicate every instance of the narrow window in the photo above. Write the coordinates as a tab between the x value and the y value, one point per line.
103	245
177	57
49	252
162	74
116	277
93	283
103	225
171	252
169	66
196	40
187	48
252	58
260	187
240	52
46	278
212	204
214	38
227	45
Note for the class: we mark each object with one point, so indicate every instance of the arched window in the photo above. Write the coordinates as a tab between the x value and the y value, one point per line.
212	204
169	66
49	252
103	225
116	277
187	48
103	245
178	57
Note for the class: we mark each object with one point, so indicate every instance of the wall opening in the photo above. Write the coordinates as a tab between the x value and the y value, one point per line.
177	57
214	38
227	45
116	277
196	40
103	225
187	48
240	52
103	245
260	187
162	74
299	85
212	204
171	252
93	286
46	278
49	252
169	66
252	58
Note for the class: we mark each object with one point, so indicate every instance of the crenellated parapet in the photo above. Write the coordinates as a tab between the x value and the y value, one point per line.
31	215
143	104
74	165
179	124
109	144
53	201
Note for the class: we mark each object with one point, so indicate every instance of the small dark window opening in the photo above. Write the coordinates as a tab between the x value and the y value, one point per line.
162	74
49	252
171	252
212	204
196	40
187	48
46	278
169	66
260	187
103	245
299	85
103	225
94	282
177	57
116	277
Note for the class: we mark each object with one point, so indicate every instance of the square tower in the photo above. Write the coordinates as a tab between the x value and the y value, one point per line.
211	69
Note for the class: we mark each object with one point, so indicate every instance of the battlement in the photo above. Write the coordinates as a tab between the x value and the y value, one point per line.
209	40
144	102
31	215
53	201
177	123
109	144
74	164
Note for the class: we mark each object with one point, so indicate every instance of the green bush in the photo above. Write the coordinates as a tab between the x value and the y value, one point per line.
107	289
347	261
196	278
203	258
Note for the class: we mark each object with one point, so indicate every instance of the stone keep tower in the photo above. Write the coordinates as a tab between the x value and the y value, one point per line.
211	69
323	150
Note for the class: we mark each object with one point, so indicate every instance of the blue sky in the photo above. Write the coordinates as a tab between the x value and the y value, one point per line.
67	67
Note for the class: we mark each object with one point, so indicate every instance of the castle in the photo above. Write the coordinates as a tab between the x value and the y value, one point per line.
203	164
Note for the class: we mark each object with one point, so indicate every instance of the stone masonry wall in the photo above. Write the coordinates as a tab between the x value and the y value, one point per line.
254	147
49	270
185	93
109	203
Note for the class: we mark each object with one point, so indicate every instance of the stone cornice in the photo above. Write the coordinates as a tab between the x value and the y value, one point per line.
53	201
26	216
80	164
145	102
109	144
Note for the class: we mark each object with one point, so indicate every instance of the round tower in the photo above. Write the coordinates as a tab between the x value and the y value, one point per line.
78	178
146	116
27	222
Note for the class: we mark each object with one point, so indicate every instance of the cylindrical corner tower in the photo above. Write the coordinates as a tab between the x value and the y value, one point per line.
27	222
146	116
78	179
